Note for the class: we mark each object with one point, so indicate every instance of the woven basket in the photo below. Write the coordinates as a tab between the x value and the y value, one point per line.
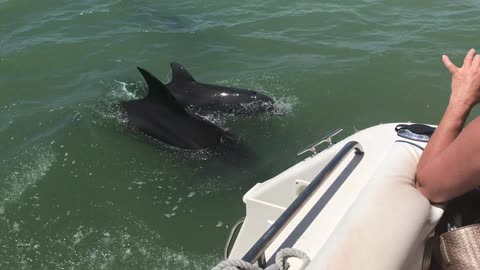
460	248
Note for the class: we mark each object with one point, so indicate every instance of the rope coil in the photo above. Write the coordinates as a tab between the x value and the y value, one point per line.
280	261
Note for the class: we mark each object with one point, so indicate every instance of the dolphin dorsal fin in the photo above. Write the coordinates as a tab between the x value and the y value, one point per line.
159	92
180	75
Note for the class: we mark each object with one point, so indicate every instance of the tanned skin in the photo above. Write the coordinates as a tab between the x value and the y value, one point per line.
450	164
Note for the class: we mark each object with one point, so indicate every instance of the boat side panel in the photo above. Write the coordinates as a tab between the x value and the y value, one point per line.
264	200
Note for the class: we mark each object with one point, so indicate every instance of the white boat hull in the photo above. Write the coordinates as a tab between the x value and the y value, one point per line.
366	214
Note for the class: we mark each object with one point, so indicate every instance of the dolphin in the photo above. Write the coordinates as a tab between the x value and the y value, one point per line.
208	98
161	116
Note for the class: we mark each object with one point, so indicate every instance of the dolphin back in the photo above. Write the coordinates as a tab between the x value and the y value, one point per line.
209	98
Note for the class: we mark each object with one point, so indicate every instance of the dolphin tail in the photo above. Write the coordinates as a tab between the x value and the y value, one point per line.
158	92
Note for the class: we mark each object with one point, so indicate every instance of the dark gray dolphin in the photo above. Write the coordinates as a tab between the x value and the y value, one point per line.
208	98
162	117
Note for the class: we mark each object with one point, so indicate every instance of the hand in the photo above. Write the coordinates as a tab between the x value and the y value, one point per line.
465	80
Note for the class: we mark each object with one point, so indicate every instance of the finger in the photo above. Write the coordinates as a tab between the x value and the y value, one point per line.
449	65
476	61
469	58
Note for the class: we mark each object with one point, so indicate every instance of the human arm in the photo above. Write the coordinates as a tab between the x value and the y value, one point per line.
450	164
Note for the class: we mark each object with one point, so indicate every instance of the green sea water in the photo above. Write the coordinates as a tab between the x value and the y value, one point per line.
78	191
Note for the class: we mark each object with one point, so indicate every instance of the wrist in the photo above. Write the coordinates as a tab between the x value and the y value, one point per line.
460	105
458	111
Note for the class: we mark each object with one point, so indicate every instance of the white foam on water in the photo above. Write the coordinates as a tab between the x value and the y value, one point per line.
213	185
94	11
16	227
121	91
26	174
106	114
135	246
109	111
97	9
200	155
284	105
56	109
81	234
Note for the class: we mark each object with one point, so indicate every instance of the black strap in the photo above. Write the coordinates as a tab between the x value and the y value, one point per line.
417	129
415	132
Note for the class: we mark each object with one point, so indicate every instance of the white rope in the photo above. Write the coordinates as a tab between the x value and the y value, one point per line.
283	255
235	264
280	261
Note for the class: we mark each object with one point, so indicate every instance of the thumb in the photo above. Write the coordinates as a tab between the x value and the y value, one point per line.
449	65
